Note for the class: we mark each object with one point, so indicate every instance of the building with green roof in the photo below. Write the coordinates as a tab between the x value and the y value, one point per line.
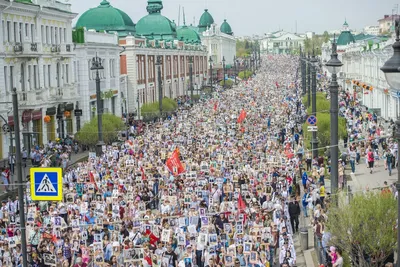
226	28
155	25
205	22
345	37
105	17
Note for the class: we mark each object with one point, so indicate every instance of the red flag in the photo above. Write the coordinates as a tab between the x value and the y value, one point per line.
152	238
242	129
174	164
242	116
241	204
215	105
277	85
92	180
142	171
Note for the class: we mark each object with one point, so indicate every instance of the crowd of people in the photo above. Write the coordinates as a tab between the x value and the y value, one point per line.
213	185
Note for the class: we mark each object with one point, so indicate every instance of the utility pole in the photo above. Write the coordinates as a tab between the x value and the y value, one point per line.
160	96
96	65
308	81
20	182
314	140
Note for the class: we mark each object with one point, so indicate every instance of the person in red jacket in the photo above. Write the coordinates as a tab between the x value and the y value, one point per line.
371	160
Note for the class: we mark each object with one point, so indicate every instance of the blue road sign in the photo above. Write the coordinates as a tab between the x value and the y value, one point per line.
312	120
46	184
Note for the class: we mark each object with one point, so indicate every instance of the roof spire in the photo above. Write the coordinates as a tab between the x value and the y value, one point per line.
104	3
184	18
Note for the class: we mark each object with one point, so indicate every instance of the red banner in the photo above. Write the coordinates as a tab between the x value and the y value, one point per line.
174	164
215	105
242	116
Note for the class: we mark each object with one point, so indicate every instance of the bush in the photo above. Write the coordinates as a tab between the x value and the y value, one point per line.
228	83
88	134
151	111
245	74
365	226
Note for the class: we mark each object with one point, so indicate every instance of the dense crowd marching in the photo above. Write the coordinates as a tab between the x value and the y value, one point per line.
215	185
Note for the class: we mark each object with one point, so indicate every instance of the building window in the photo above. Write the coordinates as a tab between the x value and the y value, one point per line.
65	35
51	129
30	82
69	126
45	76
33	32
21	29
16	32
3	27
11	77
8	31
113	104
49	75
26	30
48	39
67	73
43	34
35	76
5	78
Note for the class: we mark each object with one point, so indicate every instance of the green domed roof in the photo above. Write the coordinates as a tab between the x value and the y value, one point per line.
206	20
107	18
154	24
226	28
187	34
345	38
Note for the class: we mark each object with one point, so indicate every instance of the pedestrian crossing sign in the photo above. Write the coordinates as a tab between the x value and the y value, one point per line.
46	184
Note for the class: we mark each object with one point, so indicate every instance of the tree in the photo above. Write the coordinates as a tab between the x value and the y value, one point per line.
228	83
88	134
323	122
325	37
245	74
365	226
151	111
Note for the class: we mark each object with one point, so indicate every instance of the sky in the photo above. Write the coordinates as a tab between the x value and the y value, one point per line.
248	17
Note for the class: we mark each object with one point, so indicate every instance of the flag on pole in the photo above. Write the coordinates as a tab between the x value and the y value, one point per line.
142	171
215	105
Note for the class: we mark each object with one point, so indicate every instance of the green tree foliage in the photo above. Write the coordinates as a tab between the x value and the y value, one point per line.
245	74
313	43
88	134
365	226
243	48
228	83
323	122
325	37
151	111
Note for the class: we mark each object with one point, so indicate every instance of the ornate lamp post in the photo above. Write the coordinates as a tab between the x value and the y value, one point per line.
223	66
211	72
333	66
234	67
191	77
314	140
96	65
160	95
391	69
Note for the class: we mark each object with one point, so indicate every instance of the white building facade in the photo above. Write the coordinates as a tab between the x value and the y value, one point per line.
281	42
36	58
361	63
219	45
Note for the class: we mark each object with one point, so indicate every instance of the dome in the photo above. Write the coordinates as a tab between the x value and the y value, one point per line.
107	18
188	34
226	28
345	37
154	24
206	20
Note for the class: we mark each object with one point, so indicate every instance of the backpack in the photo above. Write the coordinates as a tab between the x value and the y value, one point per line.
304	200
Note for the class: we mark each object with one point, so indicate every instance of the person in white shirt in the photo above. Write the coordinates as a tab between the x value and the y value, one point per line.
216	194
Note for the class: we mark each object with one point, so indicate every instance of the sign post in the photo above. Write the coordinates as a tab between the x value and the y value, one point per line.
46	184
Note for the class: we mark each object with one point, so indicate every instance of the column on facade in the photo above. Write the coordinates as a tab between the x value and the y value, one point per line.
146	88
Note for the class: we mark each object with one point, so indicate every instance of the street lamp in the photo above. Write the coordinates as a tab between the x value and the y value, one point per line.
314	140
96	65
223	66
191	77
234	67
333	66
160	96
303	71
308	73
211	73
391	69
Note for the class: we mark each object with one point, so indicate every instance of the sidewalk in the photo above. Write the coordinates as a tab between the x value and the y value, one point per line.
75	158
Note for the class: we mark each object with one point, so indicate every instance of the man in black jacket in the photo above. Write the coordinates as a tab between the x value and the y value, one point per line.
294	212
